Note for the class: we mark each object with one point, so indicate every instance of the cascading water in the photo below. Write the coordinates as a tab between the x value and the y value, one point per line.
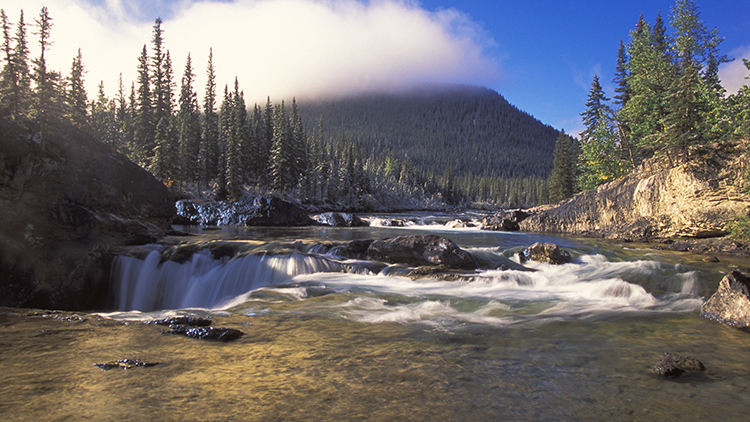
203	282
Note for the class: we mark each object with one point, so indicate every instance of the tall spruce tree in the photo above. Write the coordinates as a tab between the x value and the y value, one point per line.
144	129
210	129
21	91
188	124
45	89
76	98
562	179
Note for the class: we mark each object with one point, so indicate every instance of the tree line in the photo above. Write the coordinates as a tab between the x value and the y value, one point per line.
668	99
223	146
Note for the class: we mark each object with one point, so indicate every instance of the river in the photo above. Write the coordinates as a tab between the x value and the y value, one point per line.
328	338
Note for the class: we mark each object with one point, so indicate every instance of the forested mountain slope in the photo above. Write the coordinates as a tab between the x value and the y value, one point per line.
465	129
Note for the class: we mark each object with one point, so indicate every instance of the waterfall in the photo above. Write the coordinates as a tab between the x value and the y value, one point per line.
203	282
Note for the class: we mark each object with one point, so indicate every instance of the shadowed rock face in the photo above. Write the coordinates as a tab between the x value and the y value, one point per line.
66	202
695	198
730	304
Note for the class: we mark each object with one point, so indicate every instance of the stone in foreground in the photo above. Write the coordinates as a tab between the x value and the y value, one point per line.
206	333
730	305
673	365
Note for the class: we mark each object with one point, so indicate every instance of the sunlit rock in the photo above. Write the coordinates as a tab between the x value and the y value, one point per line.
546	252
730	304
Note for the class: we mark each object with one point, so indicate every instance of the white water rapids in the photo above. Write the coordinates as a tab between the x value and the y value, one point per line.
590	288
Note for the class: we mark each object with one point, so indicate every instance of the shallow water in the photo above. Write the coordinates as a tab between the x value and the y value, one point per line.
344	341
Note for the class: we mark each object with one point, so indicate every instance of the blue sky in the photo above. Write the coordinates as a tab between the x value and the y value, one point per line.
540	54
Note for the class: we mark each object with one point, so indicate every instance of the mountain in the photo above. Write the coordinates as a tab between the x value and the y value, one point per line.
466	129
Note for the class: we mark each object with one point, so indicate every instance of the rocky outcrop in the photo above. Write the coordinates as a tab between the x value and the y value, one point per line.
695	198
505	221
546	252
730	304
339	219
259	211
420	250
66	201
206	333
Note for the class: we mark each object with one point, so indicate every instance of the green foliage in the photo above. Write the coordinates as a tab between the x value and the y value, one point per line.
562	180
739	229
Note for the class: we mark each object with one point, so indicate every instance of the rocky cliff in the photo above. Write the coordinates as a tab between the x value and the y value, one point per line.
66	201
695	198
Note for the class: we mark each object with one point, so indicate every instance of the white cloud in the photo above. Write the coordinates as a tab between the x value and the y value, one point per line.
280	48
733	74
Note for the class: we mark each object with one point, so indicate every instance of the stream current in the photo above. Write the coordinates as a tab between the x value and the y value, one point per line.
329	338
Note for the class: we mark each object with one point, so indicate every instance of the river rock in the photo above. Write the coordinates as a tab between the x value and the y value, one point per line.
206	333
67	202
730	305
504	221
183	320
258	211
125	364
546	252
339	219
693	197
673	365
419	250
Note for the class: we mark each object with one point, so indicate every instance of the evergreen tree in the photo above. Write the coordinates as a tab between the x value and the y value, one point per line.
282	153
225	117
8	75
159	78
166	153
21	90
188	124
210	129
144	118
45	89
562	179
76	97
621	77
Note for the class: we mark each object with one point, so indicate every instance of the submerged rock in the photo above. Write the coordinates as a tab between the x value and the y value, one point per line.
546	252
420	250
183	320
730	305
206	333
339	219
259	211
673	365
125	364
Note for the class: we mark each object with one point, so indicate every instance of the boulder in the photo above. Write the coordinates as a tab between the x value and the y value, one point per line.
730	305
504	221
546	252
456	224
68	202
259	211
673	365
339	219
420	250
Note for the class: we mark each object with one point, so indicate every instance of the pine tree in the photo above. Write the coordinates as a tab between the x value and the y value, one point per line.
210	129
44	92
166	153
77	100
158	67
8	74
144	129
225	118
621	77
188	125
562	179
21	90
